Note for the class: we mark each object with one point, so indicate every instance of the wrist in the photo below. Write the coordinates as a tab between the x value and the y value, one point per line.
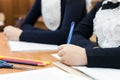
19	34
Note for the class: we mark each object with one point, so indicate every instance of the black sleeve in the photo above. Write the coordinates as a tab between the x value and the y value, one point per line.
75	10
103	57
84	30
96	57
32	16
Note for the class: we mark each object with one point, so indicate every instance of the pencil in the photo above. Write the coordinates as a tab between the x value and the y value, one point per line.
24	61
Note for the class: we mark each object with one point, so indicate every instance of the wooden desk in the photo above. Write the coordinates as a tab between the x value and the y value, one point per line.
39	55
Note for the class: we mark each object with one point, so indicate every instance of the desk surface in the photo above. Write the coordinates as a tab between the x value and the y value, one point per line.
38	55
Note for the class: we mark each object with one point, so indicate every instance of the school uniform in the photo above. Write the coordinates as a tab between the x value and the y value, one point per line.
57	18
103	21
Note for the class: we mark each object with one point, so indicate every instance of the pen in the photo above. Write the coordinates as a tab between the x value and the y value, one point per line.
18	21
24	61
71	32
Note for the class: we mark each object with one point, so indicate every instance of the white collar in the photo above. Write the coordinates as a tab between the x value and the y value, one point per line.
114	1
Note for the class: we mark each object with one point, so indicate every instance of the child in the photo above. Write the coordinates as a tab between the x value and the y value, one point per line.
103	20
57	15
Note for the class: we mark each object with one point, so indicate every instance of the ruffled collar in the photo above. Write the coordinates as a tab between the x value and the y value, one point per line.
113	1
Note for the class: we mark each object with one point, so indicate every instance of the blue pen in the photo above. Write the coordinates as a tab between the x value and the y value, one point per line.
71	32
18	21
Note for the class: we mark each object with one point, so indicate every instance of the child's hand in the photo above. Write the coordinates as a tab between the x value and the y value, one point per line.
12	33
72	55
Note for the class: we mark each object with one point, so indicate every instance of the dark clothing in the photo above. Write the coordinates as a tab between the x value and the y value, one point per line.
97	57
71	10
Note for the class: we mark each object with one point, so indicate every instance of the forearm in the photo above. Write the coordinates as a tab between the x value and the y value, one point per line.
103	57
82	42
49	37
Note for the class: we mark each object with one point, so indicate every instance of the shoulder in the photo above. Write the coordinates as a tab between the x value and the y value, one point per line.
37	0
63	2
98	5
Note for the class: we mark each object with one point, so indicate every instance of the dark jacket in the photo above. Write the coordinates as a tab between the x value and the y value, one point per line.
97	57
71	10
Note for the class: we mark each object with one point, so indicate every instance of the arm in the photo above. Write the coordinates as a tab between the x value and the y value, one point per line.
103	57
59	36
32	16
89	56
84	30
98	57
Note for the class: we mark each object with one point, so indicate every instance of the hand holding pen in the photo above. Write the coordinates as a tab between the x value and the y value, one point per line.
13	33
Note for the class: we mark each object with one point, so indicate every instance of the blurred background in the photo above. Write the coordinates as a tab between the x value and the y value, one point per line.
11	10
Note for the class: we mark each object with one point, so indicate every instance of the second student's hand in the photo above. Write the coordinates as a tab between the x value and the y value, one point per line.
72	55
12	33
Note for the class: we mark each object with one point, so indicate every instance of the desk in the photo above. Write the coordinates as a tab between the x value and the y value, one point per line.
39	55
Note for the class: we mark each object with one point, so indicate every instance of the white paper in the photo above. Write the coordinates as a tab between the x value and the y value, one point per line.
28	46
42	74
101	73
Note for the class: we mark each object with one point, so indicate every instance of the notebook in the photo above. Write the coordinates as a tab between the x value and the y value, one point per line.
29	46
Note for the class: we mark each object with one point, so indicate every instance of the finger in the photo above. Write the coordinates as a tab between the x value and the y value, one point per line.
60	53
62	60
5	30
61	47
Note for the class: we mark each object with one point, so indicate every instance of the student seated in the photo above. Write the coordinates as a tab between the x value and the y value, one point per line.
103	20
57	16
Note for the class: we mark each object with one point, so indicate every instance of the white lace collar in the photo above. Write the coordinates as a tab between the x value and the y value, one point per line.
114	1
107	27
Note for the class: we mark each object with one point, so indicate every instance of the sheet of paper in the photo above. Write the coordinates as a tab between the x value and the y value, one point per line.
28	46
97	73
101	73
42	74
